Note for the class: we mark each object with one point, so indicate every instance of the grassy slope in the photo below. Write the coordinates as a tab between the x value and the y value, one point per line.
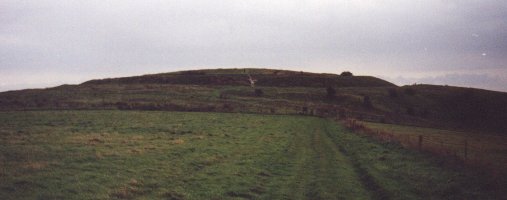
128	154
285	92
461	108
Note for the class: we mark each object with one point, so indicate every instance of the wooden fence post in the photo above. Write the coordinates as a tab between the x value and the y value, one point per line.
420	142
466	150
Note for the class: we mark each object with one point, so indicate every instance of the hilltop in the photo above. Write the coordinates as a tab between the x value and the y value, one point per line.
239	77
277	92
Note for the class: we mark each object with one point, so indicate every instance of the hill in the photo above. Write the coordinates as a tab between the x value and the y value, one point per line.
278	92
239	77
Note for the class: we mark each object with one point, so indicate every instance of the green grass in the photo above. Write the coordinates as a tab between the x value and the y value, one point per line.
394	172
177	155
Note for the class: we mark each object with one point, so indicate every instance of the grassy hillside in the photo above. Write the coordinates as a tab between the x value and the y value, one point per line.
239	77
178	155
461	107
278	92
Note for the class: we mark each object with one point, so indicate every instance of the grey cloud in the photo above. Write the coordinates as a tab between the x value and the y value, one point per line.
109	38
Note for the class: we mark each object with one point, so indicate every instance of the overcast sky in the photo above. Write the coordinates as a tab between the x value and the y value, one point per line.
456	42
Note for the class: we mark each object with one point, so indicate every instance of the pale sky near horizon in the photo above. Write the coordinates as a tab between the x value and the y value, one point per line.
46	43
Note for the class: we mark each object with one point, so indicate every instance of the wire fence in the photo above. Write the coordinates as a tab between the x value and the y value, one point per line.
489	153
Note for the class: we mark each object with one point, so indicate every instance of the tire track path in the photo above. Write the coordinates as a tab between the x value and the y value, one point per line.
321	170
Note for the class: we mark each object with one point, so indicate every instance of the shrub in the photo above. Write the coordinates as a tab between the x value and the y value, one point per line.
425	113
304	110
360	117
258	92
222	95
346	73
411	111
367	102
331	92
227	107
341	114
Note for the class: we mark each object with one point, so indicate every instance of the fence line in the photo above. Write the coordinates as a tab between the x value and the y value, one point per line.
471	152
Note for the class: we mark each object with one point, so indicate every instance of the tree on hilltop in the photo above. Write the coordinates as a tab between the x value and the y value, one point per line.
346	73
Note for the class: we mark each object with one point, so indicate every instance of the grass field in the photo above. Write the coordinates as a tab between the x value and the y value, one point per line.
177	155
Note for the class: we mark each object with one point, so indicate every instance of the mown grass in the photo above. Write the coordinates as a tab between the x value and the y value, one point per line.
177	155
114	154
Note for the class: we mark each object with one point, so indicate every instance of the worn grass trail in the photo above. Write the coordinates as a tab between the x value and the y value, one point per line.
177	155
320	170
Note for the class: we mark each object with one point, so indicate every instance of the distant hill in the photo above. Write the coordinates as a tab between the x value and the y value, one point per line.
239	77
278	92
